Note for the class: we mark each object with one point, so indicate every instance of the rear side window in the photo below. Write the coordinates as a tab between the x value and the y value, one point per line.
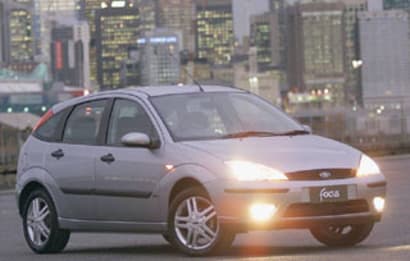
49	131
84	123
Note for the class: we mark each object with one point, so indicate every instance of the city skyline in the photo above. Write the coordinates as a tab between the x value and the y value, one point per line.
310	50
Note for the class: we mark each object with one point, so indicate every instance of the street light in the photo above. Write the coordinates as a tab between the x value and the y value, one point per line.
357	64
254	84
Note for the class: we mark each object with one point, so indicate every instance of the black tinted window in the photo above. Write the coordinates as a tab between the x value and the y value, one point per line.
49	130
128	116
83	125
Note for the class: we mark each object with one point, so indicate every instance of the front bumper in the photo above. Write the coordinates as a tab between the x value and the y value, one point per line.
295	208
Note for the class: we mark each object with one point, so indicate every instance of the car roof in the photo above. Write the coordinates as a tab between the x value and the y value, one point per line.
173	89
151	91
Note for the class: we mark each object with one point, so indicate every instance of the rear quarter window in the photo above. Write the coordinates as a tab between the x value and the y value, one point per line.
51	130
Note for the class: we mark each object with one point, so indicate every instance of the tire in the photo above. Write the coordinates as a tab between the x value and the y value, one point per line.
41	231
203	241
342	235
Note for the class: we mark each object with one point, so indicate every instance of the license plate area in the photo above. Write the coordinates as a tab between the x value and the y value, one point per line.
328	194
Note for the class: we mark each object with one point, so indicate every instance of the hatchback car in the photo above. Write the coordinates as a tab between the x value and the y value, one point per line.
195	164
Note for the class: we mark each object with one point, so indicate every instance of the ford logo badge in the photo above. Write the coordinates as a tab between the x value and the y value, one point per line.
325	175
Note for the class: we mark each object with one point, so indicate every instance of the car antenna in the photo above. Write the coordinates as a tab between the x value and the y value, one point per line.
197	83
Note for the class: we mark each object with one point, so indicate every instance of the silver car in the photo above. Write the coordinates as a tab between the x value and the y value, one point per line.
195	164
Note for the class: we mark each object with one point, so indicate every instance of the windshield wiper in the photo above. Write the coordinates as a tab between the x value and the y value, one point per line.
245	134
293	133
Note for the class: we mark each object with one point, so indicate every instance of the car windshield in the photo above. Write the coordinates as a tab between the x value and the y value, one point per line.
207	116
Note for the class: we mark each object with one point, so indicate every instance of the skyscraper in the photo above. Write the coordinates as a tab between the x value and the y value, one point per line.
384	45
214	31
352	50
45	13
160	57
70	53
317	51
16	30
87	12
149	14
265	37
179	15
21	38
2	23
117	30
279	8
88	9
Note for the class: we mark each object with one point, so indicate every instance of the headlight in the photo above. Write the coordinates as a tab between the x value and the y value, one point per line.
367	167
249	171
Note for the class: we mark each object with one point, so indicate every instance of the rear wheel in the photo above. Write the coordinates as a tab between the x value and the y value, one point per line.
40	224
194	227
339	235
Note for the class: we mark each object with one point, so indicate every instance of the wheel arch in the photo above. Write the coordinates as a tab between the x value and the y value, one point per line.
180	178
27	190
182	184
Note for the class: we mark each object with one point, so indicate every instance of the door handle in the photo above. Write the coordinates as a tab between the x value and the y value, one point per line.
108	158
58	154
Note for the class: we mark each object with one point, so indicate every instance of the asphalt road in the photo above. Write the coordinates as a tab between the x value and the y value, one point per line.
390	239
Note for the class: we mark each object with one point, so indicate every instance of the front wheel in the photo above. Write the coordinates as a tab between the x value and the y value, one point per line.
40	224
342	235
194	227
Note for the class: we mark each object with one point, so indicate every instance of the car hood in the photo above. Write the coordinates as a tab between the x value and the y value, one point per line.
287	154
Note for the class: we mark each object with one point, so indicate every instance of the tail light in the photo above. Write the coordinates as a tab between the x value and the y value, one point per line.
43	119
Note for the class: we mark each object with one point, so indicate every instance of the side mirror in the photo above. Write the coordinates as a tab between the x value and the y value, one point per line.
138	139
308	128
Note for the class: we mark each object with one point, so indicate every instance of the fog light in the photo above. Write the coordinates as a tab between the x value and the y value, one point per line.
378	203
262	212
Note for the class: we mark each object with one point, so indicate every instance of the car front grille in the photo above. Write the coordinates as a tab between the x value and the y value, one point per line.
326	209
322	174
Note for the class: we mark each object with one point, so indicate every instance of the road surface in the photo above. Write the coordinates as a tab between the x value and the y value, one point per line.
390	239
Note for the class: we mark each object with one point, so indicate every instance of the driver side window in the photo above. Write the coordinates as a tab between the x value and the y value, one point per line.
126	117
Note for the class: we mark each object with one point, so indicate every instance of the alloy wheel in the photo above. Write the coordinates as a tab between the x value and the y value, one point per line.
38	222
195	223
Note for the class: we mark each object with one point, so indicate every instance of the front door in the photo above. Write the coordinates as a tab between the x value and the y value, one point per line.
126	177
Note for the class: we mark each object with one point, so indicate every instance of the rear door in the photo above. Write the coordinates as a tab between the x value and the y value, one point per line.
72	161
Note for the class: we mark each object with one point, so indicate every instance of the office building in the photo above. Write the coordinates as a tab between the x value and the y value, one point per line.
2	23
316	52
265	37
131	69
279	8
179	15
87	12
88	9
214	31
148	10
21	37
117	30
352	50
384	52
45	13
70	54
160	61
16	35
